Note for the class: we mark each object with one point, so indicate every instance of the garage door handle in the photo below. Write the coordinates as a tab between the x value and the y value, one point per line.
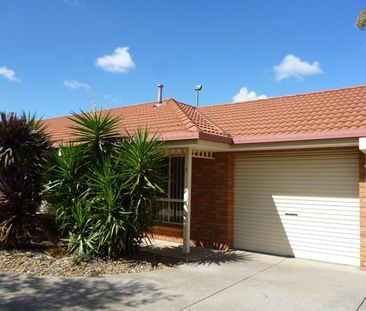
290	214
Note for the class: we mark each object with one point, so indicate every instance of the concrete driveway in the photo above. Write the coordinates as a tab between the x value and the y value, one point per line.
237	281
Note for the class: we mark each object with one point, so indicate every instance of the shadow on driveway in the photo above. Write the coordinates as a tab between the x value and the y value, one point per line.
37	293
220	257
198	255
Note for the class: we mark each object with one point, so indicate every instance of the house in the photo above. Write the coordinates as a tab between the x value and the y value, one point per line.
284	175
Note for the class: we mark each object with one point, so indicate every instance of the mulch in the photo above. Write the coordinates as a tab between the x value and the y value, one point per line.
53	261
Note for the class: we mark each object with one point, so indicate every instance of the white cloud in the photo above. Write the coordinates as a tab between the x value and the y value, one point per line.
8	74
74	85
245	95
119	61
293	66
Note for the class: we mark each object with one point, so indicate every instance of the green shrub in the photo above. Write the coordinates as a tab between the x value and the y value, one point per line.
104	187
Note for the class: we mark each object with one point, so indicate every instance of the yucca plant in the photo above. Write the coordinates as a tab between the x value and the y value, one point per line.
66	183
104	187
93	137
96	133
24	146
110	215
140	159
81	241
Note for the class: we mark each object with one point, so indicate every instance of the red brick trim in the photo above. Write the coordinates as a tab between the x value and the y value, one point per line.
174	234
171	233
212	201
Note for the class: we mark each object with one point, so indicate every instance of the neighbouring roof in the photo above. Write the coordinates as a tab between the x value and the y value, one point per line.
327	114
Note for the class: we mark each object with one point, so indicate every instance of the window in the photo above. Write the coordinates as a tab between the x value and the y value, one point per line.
172	205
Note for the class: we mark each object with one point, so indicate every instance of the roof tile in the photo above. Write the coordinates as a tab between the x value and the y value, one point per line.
170	119
328	114
332	113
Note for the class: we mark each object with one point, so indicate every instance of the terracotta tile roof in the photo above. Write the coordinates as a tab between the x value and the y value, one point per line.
336	113
171	120
201	122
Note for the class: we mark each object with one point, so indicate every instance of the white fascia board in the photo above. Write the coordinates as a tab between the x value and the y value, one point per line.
207	145
199	144
309	144
362	144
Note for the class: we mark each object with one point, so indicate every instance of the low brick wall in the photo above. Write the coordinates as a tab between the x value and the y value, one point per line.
169	233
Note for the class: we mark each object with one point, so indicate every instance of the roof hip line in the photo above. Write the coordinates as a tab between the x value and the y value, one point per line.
198	120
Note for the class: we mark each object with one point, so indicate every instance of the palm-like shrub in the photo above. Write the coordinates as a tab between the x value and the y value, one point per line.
140	161
23	159
67	184
104	187
96	134
110	216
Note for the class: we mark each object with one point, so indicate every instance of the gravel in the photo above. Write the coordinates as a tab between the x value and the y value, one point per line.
53	262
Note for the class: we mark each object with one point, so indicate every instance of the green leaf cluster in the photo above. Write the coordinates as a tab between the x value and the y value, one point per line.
104	186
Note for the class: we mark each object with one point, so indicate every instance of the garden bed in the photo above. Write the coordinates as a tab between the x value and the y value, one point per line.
52	261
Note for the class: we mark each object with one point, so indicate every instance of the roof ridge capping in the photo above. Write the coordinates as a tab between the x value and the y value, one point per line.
164	100
289	95
182	115
199	120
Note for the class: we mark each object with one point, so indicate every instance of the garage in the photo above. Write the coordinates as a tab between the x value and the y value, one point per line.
301	204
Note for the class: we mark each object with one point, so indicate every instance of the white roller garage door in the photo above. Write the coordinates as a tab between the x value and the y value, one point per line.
298	204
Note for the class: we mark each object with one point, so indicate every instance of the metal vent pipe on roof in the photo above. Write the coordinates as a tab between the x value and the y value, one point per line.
198	88
160	93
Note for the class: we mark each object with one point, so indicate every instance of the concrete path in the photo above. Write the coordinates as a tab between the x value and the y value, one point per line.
235	281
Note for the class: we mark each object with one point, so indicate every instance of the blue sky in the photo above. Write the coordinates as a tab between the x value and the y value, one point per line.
58	56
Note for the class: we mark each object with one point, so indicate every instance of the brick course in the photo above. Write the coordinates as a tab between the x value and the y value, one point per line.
212	201
172	233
